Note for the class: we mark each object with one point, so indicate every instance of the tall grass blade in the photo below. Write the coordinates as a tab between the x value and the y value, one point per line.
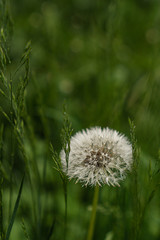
1	182
14	211
136	198
66	134
51	230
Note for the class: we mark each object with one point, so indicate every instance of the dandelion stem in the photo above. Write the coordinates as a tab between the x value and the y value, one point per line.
93	215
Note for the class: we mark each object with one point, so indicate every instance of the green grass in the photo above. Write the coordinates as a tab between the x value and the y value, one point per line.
102	59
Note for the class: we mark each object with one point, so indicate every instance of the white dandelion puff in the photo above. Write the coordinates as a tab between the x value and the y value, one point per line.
98	156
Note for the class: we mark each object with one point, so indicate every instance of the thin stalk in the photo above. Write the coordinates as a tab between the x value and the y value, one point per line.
12	148
93	215
1	211
66	206
1	183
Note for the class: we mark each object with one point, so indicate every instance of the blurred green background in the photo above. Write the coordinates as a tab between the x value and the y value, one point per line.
102	56
103	59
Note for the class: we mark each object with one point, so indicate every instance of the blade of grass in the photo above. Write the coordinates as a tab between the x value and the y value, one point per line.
12	149
1	182
66	134
51	230
14	211
135	183
57	162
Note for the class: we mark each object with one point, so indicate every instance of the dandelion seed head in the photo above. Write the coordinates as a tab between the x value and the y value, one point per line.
98	156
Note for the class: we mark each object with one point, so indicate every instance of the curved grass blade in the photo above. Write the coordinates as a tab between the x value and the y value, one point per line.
1	182
14	211
51	230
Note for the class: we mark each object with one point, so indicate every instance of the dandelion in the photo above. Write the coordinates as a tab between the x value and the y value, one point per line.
98	156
